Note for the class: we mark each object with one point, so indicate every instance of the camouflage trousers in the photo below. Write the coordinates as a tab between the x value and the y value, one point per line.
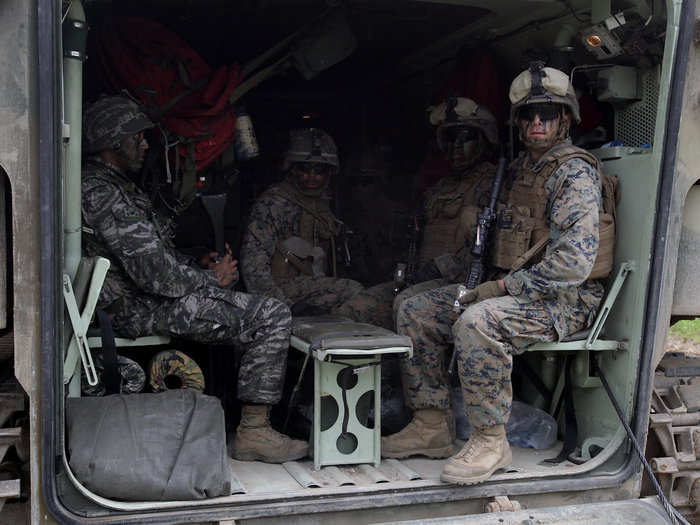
486	336
415	290
343	297
257	326
372	306
319	294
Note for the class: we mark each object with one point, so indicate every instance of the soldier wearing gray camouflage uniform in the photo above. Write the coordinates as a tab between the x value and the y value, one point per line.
151	288
553	201
288	249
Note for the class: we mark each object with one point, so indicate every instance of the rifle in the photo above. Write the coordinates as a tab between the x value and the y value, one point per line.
405	272
482	238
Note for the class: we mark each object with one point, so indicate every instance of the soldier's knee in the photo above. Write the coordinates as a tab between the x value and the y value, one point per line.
353	287
406	310
473	319
276	310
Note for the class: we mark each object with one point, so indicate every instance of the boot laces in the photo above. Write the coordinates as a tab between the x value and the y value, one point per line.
473	446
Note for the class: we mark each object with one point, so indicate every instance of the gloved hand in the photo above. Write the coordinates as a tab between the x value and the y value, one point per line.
486	290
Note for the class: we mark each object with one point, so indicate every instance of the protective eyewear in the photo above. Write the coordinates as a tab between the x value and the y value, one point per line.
544	111
315	168
460	135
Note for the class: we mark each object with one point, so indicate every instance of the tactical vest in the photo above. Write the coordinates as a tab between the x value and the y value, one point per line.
451	211
523	223
317	226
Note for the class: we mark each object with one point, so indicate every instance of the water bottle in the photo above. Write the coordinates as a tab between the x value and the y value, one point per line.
245	144
531	427
527	427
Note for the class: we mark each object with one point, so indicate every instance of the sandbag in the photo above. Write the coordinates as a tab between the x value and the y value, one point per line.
149	447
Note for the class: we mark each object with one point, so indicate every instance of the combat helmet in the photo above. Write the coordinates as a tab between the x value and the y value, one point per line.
109	120
311	145
538	85
464	112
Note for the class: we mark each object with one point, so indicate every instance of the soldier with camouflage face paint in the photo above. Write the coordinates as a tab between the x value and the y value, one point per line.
467	134
151	288
288	249
553	199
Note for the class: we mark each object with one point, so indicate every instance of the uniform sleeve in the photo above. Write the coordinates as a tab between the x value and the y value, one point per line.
574	239
132	239
259	244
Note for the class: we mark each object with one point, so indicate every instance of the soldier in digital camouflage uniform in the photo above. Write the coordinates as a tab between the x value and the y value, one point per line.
554	197
467	133
151	288
288	249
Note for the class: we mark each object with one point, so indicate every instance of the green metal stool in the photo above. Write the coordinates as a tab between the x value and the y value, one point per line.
347	383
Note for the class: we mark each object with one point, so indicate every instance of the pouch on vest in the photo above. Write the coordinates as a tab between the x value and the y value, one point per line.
610	195
514	233
295	256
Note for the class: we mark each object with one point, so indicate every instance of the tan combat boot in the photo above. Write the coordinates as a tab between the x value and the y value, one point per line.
256	440
486	451
430	433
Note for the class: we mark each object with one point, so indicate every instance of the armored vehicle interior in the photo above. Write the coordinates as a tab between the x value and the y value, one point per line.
390	61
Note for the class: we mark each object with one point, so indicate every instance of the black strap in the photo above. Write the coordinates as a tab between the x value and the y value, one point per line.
110	375
571	427
532	376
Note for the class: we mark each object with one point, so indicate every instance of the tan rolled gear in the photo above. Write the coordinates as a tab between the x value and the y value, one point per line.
172	369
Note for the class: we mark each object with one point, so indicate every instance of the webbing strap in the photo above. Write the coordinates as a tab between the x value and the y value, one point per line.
110	375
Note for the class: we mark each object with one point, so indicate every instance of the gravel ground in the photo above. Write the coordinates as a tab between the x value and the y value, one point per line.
676	343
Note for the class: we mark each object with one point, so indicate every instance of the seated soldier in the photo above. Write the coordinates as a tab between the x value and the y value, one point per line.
151	288
288	248
554	194
467	133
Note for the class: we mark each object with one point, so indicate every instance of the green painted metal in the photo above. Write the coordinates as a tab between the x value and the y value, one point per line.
327	366
73	107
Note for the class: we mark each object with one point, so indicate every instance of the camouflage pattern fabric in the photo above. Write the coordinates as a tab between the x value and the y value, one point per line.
275	218
546	302
174	368
109	120
133	377
574	205
372	306
153	289
318	294
415	290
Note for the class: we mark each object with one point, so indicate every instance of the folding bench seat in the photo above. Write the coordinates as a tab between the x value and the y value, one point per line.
347	381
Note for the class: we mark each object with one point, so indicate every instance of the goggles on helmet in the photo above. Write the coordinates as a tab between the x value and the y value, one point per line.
544	111
316	168
460	135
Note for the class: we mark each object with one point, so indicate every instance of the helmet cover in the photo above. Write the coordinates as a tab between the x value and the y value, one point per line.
538	85
464	112
311	145
109	120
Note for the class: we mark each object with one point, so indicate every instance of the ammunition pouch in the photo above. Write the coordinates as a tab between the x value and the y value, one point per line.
451	236
295	256
522	231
